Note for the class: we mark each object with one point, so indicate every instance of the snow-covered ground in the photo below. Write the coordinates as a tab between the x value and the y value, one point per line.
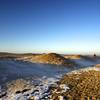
40	77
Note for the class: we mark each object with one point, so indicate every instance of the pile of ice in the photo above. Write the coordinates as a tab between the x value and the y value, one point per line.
21	89
84	69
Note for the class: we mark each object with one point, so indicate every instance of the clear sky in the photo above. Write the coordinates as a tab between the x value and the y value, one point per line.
62	26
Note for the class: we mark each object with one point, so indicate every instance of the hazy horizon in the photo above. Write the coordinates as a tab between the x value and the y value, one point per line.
43	26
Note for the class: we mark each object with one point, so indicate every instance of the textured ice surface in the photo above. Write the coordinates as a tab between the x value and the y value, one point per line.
40	75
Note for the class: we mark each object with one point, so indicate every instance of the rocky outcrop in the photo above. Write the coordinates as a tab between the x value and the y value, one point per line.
53	58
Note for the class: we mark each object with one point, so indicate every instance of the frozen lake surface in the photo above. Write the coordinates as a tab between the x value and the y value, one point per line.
13	69
41	75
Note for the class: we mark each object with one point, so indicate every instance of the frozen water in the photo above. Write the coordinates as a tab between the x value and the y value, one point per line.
44	76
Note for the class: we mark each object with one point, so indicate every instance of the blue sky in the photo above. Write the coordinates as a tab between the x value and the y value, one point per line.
62	26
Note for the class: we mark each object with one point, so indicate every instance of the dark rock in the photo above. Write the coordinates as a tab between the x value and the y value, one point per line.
17	92
3	94
25	90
